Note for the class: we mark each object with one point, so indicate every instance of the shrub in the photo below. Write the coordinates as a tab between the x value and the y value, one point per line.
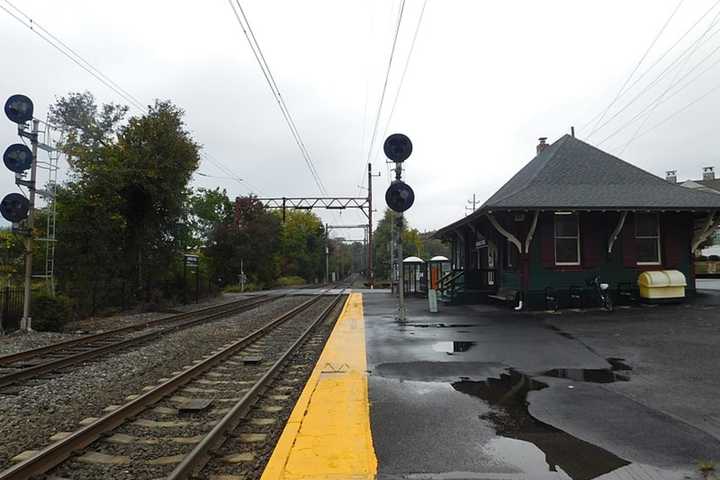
50	313
290	281
714	258
249	287
701	258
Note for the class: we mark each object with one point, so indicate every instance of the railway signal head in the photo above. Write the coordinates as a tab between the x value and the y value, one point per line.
19	109
14	207
17	158
399	196
397	147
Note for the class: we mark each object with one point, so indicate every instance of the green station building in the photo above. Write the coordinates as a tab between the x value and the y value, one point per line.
572	212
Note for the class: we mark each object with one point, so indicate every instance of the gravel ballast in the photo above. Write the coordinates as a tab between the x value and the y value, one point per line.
46	407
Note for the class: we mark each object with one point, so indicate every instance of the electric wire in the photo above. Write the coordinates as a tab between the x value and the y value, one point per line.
665	53
405	69
385	84
34	23
679	111
267	74
662	98
78	61
668	68
637	66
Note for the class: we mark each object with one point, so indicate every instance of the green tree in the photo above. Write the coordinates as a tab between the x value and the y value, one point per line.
119	212
412	243
250	236
302	246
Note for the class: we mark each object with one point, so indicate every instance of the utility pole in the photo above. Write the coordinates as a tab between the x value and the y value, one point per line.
327	253
371	271
26	321
473	203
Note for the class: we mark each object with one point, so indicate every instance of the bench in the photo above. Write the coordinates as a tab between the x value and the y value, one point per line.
505	295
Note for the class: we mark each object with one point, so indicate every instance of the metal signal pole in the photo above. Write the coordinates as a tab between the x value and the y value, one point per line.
26	321
371	271
401	278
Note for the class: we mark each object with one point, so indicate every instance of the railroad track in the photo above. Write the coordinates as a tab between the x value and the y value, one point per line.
177	427
36	363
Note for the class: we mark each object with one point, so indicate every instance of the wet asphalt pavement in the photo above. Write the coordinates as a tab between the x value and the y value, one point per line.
481	392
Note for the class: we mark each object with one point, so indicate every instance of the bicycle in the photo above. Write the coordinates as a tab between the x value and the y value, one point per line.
602	293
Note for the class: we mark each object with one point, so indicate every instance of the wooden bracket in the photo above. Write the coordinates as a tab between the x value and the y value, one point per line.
511	238
531	233
708	228
616	232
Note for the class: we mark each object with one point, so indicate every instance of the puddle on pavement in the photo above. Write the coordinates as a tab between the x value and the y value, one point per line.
594	375
537	448
618	363
451	347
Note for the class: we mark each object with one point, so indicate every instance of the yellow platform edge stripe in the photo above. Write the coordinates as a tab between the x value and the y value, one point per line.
328	433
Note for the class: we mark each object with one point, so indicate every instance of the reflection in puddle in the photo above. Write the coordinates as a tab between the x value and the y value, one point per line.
565	456
453	347
593	375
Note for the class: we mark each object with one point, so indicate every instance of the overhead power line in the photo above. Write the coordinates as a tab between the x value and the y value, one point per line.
637	66
664	97
678	111
405	69
267	73
701	39
73	56
677	61
385	84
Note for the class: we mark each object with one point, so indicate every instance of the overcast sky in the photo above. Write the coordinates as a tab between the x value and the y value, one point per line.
485	80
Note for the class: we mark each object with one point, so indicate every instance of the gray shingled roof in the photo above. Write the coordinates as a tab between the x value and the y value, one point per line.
713	184
573	174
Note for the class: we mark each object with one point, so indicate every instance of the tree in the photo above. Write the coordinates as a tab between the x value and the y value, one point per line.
302	246
87	127
119	212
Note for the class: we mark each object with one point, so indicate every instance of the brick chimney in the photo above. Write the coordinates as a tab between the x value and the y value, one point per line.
708	173
542	145
671	176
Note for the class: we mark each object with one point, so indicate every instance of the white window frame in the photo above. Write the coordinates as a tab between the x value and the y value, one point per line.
556	237
657	237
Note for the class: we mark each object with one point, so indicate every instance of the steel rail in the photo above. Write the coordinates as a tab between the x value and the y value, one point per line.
54	454
35	352
202	453
56	364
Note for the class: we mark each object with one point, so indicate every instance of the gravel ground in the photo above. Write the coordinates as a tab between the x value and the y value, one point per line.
39	411
19	341
96	324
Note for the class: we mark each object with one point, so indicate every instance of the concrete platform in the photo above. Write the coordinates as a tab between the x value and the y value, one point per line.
482	392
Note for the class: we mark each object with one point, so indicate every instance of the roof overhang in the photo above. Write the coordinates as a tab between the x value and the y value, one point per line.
443	232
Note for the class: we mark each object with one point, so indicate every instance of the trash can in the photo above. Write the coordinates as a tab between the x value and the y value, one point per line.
662	284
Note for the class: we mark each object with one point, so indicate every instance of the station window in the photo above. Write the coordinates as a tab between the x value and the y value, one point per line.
647	238
567	239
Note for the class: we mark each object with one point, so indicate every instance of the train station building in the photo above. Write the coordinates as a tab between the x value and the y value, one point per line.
572	212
